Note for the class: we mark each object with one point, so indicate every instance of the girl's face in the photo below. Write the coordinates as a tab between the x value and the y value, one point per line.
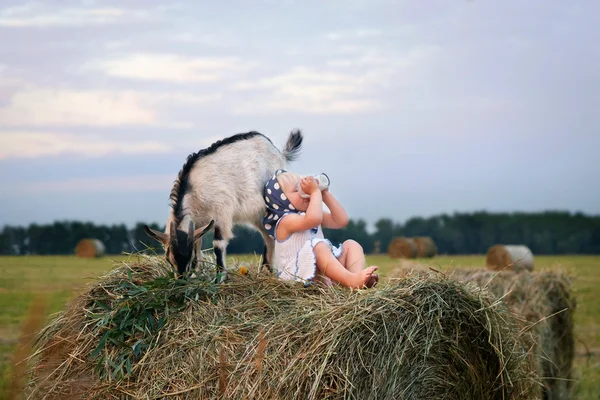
290	189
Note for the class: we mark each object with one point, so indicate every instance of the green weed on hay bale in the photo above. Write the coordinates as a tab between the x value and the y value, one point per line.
544	301
138	333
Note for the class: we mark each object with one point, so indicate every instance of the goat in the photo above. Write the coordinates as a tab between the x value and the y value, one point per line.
222	186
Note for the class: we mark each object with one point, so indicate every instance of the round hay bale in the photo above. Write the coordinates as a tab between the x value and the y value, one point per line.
89	248
402	247
139	333
515	257
426	247
544	301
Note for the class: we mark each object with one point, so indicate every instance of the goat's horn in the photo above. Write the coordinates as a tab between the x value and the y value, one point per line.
191	231
173	232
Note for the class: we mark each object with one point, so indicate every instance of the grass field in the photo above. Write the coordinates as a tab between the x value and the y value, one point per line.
49	282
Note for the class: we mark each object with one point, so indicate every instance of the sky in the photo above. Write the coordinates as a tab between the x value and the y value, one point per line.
412	108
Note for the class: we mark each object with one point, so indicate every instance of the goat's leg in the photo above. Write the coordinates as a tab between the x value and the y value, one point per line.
199	259
268	253
269	248
223	234
264	258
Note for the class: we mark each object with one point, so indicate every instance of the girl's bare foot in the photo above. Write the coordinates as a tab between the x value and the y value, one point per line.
372	281
364	277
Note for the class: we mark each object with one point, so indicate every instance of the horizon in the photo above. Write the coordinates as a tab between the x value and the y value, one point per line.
370	227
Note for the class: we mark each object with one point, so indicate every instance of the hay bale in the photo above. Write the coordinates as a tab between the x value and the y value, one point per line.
544	300
515	257
89	248
426	247
258	337
402	247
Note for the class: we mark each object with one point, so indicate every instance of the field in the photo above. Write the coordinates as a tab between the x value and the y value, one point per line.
44	284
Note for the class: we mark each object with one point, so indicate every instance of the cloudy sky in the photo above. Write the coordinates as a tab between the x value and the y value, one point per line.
411	107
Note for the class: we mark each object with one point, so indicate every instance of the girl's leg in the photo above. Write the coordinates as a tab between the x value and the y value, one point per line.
353	258
330	266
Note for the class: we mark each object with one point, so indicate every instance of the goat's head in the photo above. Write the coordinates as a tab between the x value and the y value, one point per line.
180	245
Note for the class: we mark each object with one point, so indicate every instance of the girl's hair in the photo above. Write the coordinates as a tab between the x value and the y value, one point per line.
287	178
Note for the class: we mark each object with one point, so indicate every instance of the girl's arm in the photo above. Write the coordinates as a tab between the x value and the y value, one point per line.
314	213
338	218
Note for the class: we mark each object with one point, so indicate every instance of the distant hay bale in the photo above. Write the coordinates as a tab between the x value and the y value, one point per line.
515	257
426	247
138	333
402	247
89	248
544	299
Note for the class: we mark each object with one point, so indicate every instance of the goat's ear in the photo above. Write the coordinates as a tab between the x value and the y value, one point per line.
198	233
158	235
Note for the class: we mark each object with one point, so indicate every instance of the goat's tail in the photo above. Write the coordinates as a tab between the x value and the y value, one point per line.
293	145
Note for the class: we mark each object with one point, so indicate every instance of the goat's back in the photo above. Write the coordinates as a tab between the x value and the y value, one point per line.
230	180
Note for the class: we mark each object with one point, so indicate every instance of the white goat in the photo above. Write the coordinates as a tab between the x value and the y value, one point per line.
222	185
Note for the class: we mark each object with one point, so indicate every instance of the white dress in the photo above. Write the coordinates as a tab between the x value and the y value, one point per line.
294	257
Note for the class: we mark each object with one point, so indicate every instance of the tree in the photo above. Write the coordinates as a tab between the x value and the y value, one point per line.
384	232
549	232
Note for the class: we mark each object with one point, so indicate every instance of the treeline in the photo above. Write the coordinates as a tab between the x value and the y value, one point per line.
460	233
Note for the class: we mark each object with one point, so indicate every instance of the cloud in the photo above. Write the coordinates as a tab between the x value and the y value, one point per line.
354	82
345	80
310	90
40	144
42	106
353	34
377	59
134	183
39	15
170	67
218	39
45	106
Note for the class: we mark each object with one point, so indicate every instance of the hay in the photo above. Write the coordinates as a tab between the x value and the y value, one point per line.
258	337
426	247
402	247
89	248
543	299
515	257
406	267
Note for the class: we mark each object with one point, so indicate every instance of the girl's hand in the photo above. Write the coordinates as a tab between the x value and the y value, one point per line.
309	185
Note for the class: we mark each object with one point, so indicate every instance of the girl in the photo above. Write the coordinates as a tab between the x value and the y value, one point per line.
301	252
